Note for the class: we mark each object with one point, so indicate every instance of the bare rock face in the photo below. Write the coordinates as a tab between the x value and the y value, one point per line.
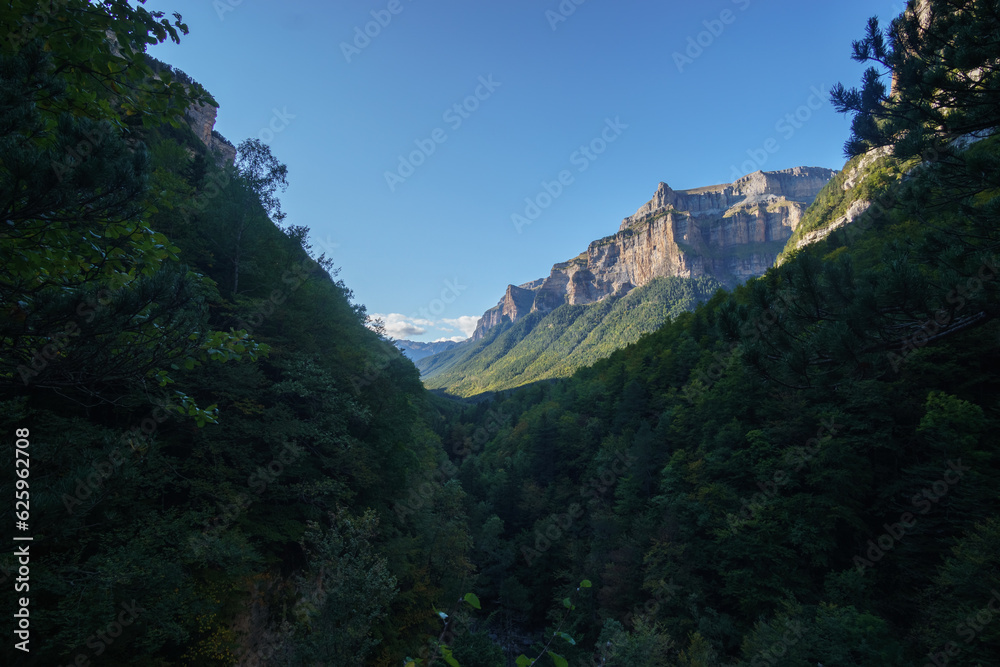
800	184
730	232
515	304
201	118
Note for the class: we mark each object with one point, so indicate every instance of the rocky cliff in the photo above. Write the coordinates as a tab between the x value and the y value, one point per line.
201	118
729	232
516	303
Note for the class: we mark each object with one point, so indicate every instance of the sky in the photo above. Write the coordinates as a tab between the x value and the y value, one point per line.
441	150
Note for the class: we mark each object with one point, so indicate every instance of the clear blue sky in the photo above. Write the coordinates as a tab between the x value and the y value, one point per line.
433	250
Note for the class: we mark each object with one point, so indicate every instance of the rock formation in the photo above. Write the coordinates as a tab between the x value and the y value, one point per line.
516	303
731	232
201	118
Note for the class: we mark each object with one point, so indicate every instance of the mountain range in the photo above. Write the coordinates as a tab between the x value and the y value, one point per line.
674	252
417	350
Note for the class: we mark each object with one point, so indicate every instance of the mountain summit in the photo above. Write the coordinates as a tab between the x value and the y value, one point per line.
729	232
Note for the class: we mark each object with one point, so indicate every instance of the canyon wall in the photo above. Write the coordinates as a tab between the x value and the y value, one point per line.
730	232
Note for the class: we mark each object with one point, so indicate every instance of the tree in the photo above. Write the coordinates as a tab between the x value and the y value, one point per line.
85	279
250	202
944	61
348	590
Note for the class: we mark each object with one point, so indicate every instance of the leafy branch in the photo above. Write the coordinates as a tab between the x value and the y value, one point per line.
558	660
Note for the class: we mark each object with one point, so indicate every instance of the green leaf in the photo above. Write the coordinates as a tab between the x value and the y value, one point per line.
585	583
473	600
558	660
567	603
523	660
566	637
448	657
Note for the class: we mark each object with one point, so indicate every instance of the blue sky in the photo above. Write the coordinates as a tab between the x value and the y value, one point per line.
426	155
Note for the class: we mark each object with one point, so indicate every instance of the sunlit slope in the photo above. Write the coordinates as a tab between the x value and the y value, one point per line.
552	345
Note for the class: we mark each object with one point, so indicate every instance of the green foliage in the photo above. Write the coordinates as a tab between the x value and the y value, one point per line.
541	347
94	299
341	606
943	63
800	471
804	473
476	649
243	510
644	646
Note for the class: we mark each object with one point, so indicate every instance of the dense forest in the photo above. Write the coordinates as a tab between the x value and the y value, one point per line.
230	463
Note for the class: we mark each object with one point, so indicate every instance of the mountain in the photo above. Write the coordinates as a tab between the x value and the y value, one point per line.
195	501
717	236
543	346
729	232
415	350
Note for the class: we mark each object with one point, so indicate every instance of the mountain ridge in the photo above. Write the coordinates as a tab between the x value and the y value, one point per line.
417	350
730	232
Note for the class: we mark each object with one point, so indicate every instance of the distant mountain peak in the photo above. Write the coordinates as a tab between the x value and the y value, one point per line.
730	232
417	350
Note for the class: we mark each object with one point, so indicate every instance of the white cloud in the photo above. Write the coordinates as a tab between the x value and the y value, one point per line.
399	326
466	324
453	339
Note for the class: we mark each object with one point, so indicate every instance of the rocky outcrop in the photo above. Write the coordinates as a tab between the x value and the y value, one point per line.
516	303
851	177
730	232
201	118
800	184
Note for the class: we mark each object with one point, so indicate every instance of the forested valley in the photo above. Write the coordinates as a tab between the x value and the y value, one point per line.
230	463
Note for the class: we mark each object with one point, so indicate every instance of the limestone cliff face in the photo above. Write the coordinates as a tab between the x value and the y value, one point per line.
731	232
201	118
515	304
